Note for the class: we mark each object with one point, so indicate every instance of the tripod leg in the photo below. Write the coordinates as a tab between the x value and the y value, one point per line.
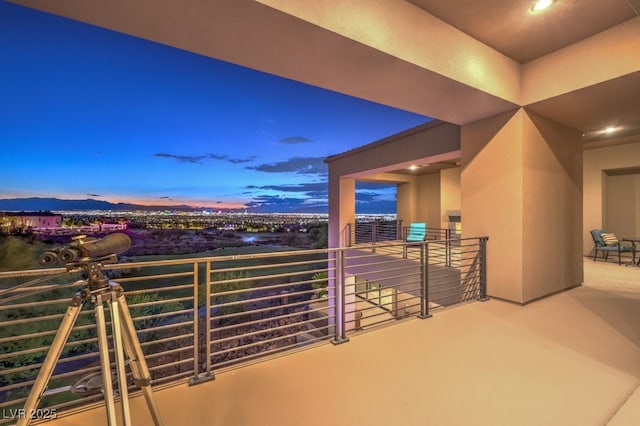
103	347
136	358
51	359
119	356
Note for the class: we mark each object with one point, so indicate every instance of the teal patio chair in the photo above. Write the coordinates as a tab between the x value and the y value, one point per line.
417	232
607	242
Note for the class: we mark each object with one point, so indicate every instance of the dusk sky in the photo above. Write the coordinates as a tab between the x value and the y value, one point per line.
90	113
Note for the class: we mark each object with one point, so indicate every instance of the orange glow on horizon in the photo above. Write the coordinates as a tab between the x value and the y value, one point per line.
115	199
207	204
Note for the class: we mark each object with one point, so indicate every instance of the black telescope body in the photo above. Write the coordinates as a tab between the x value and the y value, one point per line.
111	244
116	243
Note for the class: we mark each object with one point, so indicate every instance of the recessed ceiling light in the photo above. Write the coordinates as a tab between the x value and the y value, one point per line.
610	129
541	5
413	167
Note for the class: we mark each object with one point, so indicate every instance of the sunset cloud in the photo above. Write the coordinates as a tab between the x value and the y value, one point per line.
182	158
298	165
293	140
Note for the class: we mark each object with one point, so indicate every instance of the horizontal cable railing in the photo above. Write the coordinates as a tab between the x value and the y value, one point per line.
371	232
161	306
399	280
200	315
374	232
264	305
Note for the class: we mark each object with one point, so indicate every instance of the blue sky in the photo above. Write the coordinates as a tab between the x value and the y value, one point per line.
90	113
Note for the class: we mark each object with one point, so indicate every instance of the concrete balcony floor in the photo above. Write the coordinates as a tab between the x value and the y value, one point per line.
570	359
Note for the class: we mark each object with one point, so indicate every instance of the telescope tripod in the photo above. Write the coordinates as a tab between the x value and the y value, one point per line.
98	290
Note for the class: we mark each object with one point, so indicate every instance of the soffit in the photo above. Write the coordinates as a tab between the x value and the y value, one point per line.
510	28
428	168
260	37
251	34
613	103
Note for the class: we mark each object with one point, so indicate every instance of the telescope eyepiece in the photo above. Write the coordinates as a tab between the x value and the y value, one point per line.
69	254
48	258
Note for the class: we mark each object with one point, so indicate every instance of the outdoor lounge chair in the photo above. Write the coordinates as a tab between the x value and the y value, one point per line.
607	242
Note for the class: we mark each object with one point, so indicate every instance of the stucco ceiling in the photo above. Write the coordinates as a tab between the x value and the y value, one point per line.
364	48
509	26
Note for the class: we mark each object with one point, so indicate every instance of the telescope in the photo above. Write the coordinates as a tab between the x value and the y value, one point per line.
86	250
90	255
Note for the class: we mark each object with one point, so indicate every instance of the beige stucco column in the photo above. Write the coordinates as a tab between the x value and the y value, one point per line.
342	206
406	201
521	185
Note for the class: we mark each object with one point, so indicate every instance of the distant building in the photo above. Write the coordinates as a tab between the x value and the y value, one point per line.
11	221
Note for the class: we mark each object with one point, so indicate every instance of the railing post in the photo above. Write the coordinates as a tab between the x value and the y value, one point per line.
340	305
197	328
424	273
404	243
374	227
349	236
447	247
483	269
207	316
399	235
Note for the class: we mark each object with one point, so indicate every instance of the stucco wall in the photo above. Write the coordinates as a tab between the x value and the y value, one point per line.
427	198
552	200
429	190
622	201
595	184
432	141
491	190
450	194
521	185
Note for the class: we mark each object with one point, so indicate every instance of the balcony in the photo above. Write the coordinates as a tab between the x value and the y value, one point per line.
568	359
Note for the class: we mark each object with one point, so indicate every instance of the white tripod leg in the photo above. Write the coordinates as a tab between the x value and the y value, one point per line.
103	347
51	359
136	358
119	357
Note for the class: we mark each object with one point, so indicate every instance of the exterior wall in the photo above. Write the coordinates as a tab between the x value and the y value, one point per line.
36	221
552	196
450	198
521	185
342	208
492	205
407	204
595	184
429	197
622	201
434	141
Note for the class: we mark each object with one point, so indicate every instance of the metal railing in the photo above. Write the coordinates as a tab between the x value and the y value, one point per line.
201	315
372	232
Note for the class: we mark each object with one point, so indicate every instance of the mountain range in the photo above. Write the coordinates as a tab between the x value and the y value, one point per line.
56	204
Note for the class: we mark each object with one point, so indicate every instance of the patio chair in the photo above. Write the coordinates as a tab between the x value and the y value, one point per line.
608	242
417	232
